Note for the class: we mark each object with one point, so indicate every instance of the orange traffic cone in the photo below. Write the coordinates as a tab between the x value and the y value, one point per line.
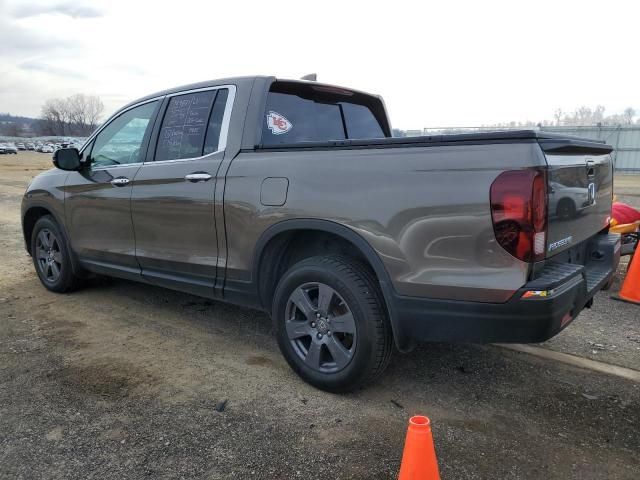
419	458
630	291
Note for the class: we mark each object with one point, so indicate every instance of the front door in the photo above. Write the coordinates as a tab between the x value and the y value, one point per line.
173	193
98	198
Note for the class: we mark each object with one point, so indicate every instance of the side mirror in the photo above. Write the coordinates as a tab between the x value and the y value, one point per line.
67	159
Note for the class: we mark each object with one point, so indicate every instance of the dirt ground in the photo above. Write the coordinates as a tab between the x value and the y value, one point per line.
123	380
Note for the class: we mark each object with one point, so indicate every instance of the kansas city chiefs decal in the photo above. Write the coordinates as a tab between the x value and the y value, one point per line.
278	124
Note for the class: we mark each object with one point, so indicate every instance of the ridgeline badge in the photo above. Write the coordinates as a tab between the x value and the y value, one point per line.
278	124
560	243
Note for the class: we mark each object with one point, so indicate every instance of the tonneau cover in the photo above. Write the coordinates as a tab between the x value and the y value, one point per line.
548	141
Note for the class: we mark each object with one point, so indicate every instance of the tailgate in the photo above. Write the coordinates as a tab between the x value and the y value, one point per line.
580	191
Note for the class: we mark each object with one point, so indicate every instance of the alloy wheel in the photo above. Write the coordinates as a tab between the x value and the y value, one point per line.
48	255
321	327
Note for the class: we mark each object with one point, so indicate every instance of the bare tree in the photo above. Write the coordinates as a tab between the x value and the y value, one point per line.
583	116
55	116
558	115
628	114
615	119
77	107
598	115
85	111
74	115
95	109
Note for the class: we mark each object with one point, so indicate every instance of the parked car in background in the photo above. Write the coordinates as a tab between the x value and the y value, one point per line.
292	197
11	148
47	149
8	148
30	146
21	146
568	200
3	149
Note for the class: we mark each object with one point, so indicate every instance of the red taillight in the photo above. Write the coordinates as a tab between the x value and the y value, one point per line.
519	213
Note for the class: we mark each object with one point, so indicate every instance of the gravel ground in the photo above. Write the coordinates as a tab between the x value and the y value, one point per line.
123	380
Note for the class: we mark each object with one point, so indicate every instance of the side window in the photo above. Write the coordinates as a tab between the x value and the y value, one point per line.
191	125
120	142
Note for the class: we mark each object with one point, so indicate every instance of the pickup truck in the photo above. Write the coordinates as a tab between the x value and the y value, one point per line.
291	197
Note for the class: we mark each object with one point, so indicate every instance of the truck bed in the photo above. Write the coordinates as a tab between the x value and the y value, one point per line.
548	141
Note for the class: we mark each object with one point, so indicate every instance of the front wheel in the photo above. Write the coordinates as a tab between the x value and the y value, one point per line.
51	256
331	323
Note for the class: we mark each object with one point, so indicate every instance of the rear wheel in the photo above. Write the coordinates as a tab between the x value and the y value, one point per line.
331	323
51	256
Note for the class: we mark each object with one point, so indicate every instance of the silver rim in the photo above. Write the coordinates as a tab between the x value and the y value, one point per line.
320	327
48	255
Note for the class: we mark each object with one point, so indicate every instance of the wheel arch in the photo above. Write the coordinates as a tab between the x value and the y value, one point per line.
268	265
567	200
29	218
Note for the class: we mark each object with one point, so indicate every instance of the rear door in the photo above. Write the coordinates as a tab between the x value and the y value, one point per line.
98	198
173	192
580	190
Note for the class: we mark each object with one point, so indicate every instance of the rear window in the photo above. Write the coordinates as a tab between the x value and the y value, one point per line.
298	112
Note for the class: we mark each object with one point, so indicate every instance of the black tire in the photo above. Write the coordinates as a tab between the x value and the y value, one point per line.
65	280
356	292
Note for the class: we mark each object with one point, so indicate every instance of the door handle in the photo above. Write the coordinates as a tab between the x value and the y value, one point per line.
120	181
198	177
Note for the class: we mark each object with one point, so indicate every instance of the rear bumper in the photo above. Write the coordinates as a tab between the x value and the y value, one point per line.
569	287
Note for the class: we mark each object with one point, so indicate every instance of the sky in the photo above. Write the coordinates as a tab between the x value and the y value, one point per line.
437	64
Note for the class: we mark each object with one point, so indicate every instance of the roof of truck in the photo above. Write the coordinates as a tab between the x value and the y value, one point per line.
549	141
235	80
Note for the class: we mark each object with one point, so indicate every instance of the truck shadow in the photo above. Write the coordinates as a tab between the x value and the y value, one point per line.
466	366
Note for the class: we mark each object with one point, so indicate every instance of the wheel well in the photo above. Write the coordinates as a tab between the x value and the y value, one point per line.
288	248
30	218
